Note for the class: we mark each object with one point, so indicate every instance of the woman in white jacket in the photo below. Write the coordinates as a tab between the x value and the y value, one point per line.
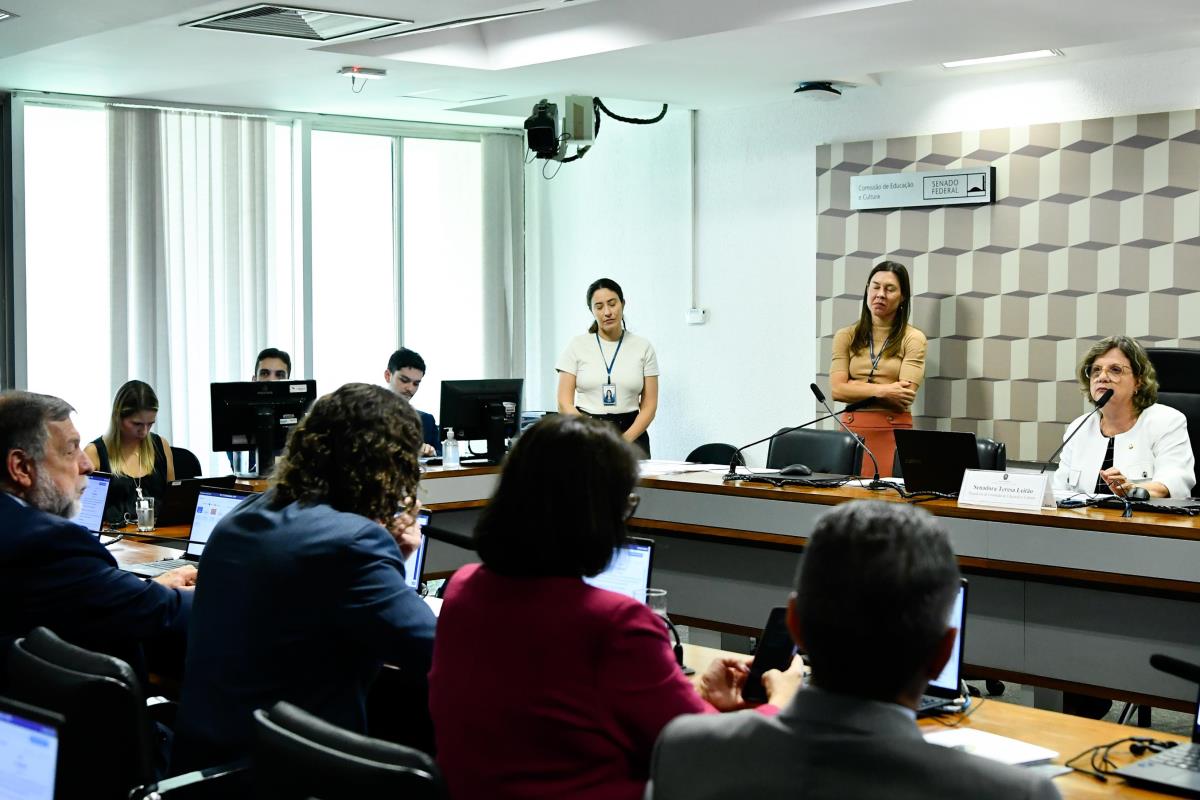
1133	441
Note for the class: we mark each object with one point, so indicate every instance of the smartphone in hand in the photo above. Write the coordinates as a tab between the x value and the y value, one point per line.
775	650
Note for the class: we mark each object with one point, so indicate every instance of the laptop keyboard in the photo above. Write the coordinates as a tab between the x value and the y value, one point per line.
1184	757
928	702
166	564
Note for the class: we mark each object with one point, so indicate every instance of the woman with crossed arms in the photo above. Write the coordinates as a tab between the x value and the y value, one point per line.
608	372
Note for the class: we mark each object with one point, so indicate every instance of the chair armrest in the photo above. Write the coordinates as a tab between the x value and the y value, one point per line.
213	782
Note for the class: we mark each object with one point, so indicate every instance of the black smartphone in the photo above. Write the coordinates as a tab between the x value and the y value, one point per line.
774	651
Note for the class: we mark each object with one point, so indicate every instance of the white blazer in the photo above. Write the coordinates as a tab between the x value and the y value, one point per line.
1156	448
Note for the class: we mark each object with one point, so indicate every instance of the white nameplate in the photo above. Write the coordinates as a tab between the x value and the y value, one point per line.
998	489
952	187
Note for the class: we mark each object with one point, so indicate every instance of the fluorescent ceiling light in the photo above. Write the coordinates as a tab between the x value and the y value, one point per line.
1032	54
459	23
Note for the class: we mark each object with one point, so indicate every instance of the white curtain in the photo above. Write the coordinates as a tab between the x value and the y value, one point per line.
191	246
503	255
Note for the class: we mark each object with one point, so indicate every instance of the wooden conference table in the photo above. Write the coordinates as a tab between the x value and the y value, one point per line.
1067	735
1065	599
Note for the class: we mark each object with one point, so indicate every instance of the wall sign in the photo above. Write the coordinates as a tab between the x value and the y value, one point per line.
954	187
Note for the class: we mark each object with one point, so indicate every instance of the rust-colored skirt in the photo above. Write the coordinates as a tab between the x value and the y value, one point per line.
875	427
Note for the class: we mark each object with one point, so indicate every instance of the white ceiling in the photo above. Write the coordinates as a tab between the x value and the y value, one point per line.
691	53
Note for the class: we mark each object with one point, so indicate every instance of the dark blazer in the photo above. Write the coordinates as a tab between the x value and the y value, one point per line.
303	604
825	745
429	431
57	574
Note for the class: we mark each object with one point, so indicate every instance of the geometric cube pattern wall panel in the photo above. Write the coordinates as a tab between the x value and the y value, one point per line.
1095	232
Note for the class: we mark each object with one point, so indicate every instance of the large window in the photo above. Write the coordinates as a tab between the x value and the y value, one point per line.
67	261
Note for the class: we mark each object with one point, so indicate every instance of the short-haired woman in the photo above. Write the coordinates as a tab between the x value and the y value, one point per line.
609	372
880	358
1134	440
542	685
141	462
303	597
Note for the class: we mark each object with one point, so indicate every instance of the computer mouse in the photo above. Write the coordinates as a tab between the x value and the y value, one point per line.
795	471
1138	493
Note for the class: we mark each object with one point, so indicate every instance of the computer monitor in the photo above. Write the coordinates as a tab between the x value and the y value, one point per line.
484	409
258	415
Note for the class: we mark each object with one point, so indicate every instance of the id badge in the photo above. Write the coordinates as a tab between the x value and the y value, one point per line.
609	393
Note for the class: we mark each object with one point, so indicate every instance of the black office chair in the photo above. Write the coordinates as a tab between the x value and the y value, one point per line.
186	463
109	742
992	455
1178	373
713	453
835	452
298	756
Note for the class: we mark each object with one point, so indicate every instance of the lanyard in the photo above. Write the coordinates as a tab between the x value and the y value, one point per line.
608	366
875	358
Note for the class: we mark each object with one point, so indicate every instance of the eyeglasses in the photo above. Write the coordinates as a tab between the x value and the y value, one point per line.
1115	371
631	506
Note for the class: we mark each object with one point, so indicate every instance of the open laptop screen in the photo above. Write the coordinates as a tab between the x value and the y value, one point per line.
28	752
629	571
414	565
91	505
948	680
211	506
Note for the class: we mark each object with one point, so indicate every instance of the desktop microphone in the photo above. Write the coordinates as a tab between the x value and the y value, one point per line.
1174	666
463	540
736	460
1104	398
816	390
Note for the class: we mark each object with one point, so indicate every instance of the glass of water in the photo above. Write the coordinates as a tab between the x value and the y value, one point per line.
145	514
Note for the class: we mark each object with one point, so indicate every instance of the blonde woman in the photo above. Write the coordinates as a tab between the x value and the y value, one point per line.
140	461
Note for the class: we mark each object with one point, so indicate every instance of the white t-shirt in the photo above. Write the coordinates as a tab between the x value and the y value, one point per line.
586	361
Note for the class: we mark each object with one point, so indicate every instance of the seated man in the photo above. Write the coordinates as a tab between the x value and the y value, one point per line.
874	592
404	373
304	597
55	573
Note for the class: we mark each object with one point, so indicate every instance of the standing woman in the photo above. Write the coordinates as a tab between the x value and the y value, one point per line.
609	372
140	461
880	358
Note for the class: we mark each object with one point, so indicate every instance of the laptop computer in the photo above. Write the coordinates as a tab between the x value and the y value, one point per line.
91	505
934	461
29	748
629	571
178	504
1176	769
211	506
946	688
414	565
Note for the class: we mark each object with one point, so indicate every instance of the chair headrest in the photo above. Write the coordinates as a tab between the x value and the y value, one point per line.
46	645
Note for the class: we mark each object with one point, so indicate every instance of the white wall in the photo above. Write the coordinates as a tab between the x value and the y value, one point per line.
623	211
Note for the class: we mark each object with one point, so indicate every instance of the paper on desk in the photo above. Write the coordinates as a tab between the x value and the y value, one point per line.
989	745
651	468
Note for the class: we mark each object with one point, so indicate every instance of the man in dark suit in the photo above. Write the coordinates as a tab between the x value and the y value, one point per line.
55	573
872	600
404	373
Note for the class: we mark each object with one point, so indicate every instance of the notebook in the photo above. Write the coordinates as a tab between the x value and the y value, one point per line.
629	571
934	461
29	745
91	505
1175	769
414	565
211	506
178	504
946	687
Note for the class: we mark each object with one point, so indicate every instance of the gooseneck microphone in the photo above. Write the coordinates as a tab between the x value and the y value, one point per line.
1177	667
816	390
736	460
1100	403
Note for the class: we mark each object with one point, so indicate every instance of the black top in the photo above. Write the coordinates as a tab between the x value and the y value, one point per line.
122	491
1101	486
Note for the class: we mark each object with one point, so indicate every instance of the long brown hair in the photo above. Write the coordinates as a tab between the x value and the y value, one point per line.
863	332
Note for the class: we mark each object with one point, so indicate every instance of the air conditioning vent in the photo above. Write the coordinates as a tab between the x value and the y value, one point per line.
458	23
294	23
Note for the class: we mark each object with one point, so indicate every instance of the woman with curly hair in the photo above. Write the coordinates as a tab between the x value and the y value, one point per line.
303	595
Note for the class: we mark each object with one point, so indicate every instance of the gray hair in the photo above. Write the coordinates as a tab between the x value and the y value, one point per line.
23	420
874	593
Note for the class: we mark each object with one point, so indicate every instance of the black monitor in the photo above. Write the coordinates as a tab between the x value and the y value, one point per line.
258	415
485	409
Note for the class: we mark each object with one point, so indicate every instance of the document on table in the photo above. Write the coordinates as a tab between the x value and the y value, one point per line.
989	745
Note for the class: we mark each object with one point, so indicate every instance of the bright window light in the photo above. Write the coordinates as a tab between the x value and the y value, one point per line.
974	62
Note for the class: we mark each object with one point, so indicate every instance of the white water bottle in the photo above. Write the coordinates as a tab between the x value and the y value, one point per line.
450	457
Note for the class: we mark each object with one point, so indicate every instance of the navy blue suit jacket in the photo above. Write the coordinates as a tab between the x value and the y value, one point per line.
300	603
429	431
57	574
